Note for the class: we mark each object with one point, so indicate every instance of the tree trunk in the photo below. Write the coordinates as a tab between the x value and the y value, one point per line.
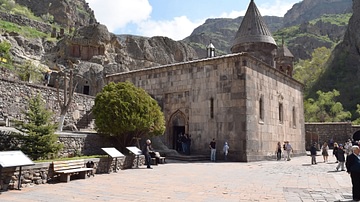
61	122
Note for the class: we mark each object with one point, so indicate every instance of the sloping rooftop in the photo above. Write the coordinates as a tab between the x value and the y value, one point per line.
253	28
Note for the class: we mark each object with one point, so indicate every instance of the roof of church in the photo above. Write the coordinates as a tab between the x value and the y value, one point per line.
283	51
253	28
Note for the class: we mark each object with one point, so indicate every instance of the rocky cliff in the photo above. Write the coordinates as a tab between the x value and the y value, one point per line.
343	71
311	9
66	13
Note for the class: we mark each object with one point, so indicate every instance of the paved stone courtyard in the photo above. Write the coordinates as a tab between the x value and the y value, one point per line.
291	181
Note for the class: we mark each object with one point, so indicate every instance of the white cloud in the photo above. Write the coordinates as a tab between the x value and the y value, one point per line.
177	29
279	8
117	14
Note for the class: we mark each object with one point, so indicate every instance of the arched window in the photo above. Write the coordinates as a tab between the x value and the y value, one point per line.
281	114
212	108
294	117
261	108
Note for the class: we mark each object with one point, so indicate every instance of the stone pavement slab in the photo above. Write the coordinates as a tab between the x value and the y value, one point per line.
290	181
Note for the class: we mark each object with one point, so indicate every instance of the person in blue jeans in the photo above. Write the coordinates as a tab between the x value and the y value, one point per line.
212	147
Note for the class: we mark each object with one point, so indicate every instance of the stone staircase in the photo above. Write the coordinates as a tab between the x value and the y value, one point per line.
189	158
86	121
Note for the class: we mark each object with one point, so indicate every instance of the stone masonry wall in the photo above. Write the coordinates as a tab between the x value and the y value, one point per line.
339	132
15	94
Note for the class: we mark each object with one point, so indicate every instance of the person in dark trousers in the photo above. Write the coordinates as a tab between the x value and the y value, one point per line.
146	150
340	153
278	151
313	152
353	168
212	147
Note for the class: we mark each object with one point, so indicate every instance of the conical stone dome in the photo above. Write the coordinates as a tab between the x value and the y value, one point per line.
252	30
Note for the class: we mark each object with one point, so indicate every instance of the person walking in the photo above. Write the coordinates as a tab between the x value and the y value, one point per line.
226	150
313	152
289	149
212	147
340	157
146	150
335	150
325	151
278	151
353	168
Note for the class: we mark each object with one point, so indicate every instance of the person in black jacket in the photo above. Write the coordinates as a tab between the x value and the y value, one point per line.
146	150
353	168
340	155
313	151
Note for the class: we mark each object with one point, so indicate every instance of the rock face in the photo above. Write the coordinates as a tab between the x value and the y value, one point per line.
310	9
343	71
66	13
99	52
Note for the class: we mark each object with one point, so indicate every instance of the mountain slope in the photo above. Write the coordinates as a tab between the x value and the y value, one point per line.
221	31
343	71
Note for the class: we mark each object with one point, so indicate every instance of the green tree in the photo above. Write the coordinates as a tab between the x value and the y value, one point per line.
39	141
308	71
357	121
325	108
126	112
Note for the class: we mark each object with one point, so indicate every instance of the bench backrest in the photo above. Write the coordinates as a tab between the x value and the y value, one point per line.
66	165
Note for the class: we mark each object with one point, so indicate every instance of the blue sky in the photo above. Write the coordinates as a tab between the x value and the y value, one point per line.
175	19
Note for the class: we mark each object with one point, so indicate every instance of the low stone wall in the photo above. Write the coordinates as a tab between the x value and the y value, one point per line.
82	143
15	95
41	173
338	132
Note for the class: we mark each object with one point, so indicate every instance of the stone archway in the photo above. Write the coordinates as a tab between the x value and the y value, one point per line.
356	136
176	125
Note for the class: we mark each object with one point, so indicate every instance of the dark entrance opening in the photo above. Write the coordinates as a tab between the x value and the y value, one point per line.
177	131
86	90
356	136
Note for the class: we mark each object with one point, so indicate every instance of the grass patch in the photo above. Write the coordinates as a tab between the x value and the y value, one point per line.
22	30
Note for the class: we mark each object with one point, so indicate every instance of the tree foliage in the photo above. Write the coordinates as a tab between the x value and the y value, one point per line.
357	121
325	108
308	71
127	112
39	142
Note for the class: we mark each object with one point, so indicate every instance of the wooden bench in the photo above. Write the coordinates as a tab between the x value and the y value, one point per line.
73	167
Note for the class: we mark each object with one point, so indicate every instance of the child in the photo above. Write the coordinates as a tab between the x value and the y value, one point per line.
226	150
313	151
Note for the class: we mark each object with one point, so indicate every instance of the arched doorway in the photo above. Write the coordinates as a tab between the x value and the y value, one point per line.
356	136
177	127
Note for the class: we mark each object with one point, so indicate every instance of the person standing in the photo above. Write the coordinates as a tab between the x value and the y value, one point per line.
289	149
313	152
335	150
348	147
325	152
340	157
353	168
146	150
226	150
278	151
212	147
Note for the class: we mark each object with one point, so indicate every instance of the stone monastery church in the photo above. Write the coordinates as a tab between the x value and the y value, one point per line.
247	98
